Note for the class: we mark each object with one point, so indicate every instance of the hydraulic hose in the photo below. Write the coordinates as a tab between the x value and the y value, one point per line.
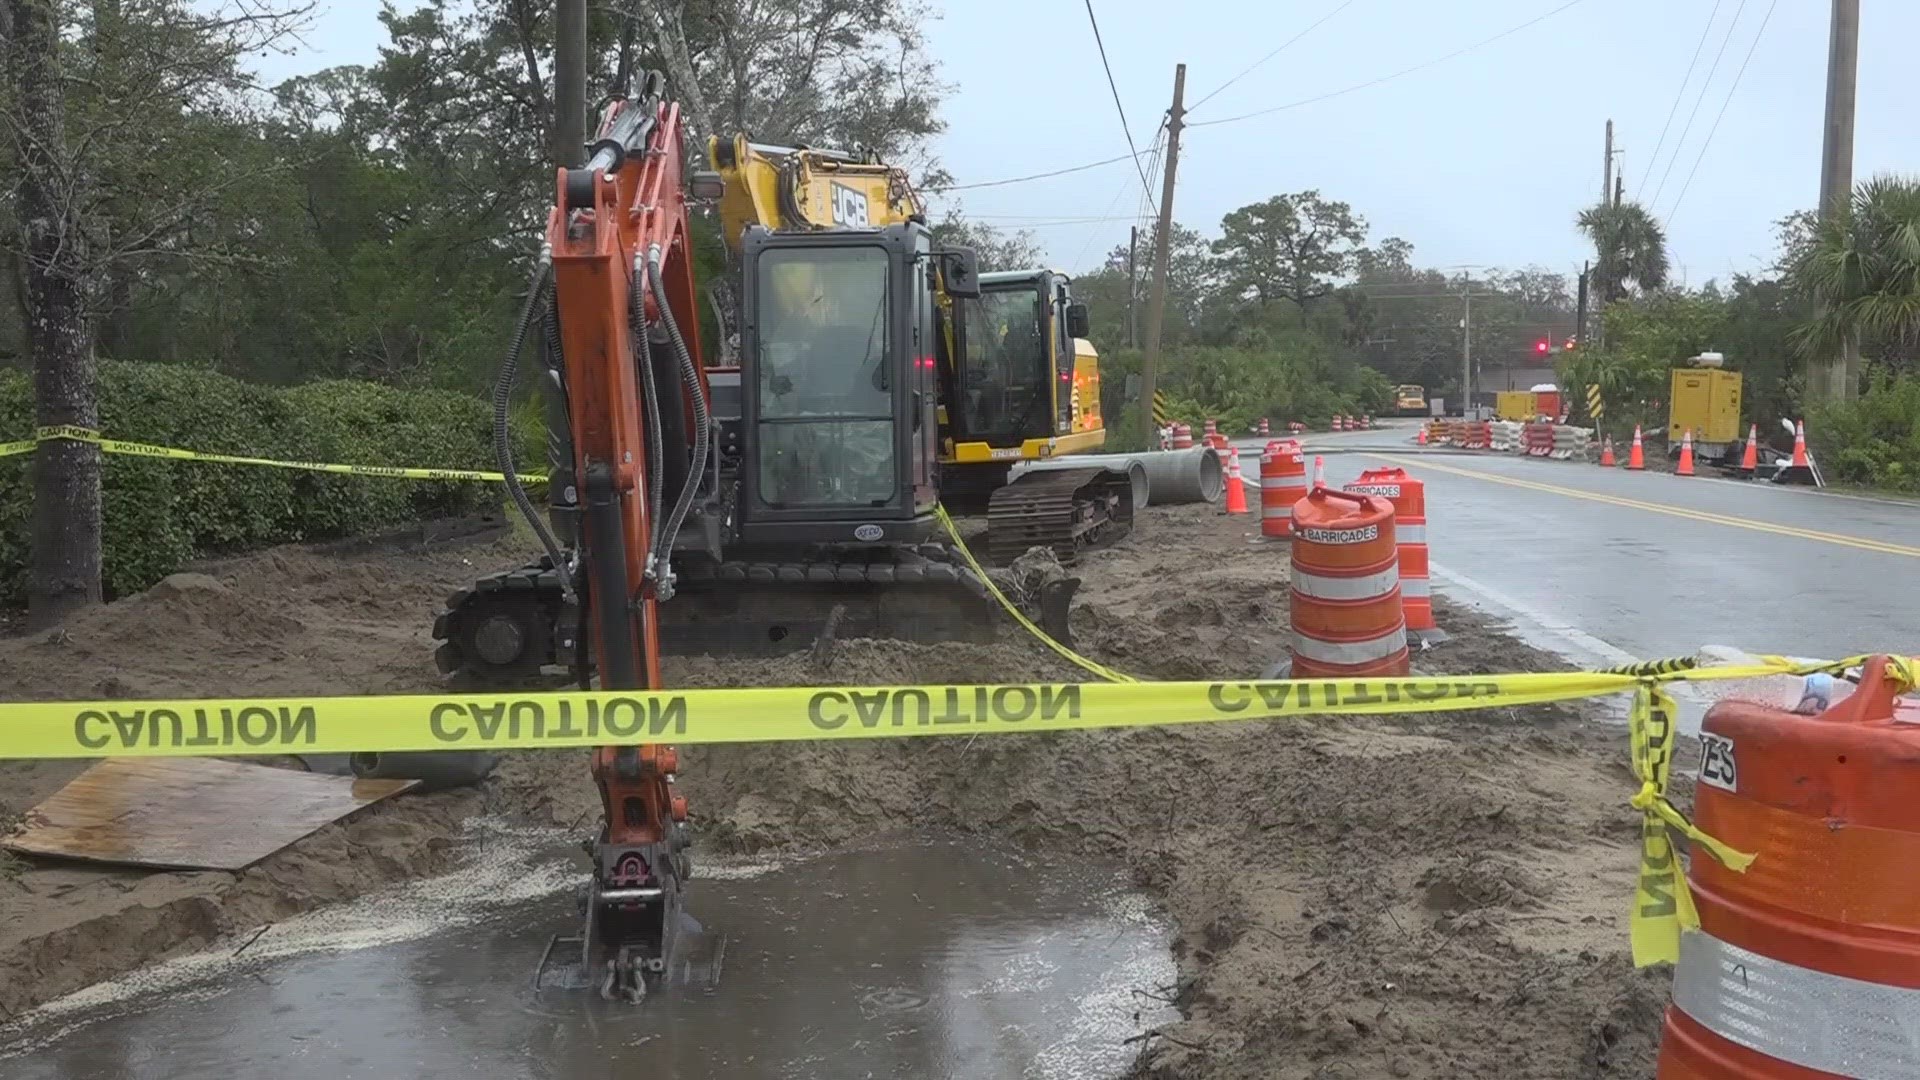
643	359
702	424
502	416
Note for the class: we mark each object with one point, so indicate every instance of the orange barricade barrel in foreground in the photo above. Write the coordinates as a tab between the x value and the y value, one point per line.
1346	588
1807	964
1283	482
1409	499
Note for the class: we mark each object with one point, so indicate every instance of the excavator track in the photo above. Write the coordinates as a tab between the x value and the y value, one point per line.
1067	510
515	628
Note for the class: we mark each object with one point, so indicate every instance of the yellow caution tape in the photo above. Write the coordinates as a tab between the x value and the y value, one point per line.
138	449
1662	903
1092	666
179	728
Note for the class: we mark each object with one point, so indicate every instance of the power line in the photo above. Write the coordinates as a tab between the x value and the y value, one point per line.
1283	46
1678	199
1263	112
1033	176
1389	78
1654	158
1697	102
1125	127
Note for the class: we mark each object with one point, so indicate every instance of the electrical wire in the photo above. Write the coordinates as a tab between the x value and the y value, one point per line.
1278	108
1724	42
1125	128
1283	47
1678	199
1654	159
1033	176
1462	51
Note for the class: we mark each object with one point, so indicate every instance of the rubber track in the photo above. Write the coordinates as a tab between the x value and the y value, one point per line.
1044	509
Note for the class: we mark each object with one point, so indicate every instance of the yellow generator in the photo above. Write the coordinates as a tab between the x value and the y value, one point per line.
1705	399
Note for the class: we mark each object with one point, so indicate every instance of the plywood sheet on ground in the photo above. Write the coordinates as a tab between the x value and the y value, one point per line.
189	813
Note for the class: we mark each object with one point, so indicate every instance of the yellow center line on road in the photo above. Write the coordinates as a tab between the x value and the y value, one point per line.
1861	543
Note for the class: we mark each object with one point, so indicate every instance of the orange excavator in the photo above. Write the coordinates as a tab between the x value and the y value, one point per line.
615	266
821	450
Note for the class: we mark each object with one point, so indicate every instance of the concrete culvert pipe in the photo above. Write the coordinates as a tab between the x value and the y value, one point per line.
1171	476
435	769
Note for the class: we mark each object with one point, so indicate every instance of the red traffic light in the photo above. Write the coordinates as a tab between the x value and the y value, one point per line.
1540	346
1568	347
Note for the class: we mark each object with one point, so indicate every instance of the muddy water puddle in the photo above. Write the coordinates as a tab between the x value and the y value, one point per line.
940	959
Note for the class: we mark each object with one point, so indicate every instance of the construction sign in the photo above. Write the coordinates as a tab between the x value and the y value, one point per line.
1595	410
1160	416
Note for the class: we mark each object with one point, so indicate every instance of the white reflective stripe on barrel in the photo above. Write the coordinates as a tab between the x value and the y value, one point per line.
1830	1023
1282	511
1404	534
1416	586
1350	652
1297	480
1364	587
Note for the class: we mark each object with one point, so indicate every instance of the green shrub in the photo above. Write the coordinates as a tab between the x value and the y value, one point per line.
157	514
1874	440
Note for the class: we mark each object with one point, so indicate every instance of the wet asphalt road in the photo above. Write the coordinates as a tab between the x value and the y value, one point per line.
1609	565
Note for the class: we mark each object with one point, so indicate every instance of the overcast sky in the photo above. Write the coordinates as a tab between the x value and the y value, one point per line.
1482	159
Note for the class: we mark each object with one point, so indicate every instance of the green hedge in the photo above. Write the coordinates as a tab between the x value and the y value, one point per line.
159	514
1875	439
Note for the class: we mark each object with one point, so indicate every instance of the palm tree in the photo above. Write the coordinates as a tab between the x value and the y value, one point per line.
1629	246
1862	267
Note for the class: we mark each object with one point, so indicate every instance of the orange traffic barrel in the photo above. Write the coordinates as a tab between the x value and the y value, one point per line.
1283	482
1409	499
1807	964
1213	430
1346	588
1182	437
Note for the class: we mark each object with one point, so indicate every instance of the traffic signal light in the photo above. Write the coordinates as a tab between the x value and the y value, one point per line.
1568	347
1540	346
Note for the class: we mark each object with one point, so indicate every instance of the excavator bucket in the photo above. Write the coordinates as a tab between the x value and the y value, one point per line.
628	947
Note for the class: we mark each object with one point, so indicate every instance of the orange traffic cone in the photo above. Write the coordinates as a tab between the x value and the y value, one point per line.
1606	453
1750	461
1319	472
1422	437
1636	457
1236	490
1686	454
1799	446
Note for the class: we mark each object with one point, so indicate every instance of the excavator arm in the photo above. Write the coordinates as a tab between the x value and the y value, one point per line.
627	363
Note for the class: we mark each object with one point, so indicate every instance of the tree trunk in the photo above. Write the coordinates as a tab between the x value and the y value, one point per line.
65	574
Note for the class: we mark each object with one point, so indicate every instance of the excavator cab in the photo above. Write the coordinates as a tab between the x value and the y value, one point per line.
1026	384
839	356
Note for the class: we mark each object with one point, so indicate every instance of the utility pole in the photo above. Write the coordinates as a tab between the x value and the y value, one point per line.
1466	344
569	82
1133	287
1606	168
1580	311
1837	379
1619	187
1157	302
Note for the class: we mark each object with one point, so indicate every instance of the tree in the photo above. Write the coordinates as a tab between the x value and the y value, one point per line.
1861	268
1290	247
1629	248
109	113
996	250
58	281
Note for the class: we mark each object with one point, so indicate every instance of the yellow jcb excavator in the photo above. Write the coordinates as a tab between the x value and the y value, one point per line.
878	375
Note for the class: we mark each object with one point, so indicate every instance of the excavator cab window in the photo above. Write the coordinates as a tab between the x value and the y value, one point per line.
824	380
1002	383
